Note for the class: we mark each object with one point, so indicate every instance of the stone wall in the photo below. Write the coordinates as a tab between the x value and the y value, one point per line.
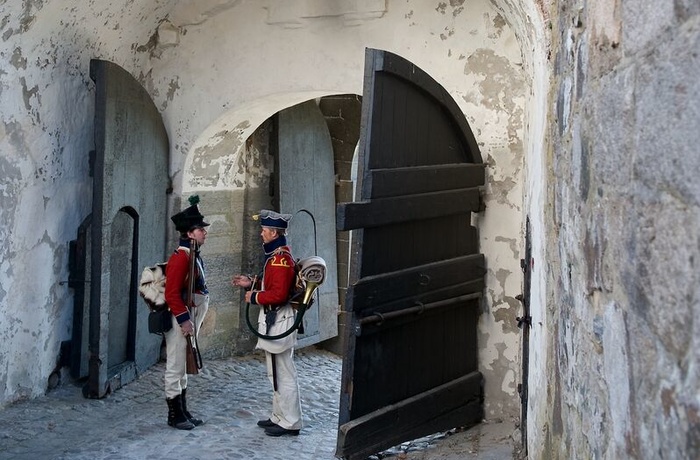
622	234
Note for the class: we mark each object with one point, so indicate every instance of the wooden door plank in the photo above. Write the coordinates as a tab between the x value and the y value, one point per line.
415	129
396	66
394	210
386	287
457	403
388	182
413	354
475	286
419	242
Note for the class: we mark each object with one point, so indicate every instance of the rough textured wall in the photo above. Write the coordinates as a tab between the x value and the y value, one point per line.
498	96
530	23
233	246
46	109
623	232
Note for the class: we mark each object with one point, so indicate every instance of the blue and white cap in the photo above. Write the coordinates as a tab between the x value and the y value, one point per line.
273	219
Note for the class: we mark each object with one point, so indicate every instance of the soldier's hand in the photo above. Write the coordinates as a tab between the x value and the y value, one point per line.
242	281
187	328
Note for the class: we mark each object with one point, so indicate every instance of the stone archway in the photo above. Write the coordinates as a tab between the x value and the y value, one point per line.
234	173
480	53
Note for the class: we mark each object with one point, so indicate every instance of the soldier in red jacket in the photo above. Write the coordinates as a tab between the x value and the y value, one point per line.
276	316
190	223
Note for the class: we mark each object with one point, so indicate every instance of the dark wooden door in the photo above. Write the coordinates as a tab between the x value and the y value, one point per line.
416	275
128	226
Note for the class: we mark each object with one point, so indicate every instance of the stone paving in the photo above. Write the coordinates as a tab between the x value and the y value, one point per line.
230	395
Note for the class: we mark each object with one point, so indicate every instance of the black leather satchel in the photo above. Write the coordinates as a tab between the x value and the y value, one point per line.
160	321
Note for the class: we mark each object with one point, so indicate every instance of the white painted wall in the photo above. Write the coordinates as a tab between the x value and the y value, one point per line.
217	69
46	100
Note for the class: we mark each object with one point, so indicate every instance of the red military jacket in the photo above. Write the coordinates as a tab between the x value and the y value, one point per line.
176	283
278	276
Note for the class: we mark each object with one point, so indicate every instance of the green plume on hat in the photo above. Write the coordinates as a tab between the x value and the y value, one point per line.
193	199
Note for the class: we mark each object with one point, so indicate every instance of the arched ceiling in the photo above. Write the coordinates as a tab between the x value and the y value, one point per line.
166	45
212	162
214	150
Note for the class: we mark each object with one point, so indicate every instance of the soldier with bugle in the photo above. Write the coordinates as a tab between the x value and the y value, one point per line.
271	292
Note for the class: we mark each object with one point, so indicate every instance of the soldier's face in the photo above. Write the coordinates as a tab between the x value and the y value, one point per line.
268	234
199	234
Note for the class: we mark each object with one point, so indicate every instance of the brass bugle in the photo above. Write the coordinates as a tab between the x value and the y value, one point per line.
309	292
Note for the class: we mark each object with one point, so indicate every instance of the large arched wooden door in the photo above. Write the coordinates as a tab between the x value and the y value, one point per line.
128	227
306	181
416	275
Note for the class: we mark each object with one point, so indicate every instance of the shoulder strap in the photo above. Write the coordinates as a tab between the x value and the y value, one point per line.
283	250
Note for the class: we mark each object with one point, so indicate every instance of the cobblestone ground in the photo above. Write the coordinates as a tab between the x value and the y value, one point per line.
230	395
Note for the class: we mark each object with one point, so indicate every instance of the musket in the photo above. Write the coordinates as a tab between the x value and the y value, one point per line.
194	358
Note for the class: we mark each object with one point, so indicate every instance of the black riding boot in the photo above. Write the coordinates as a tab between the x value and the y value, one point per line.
194	421
176	416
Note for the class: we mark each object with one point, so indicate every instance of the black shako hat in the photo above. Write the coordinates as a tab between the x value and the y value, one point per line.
273	219
190	217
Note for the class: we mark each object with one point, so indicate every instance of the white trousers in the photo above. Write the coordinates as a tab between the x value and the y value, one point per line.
176	349
286	405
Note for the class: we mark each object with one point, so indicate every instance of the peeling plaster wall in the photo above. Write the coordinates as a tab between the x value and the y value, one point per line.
530	22
217	69
281	55
47	103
